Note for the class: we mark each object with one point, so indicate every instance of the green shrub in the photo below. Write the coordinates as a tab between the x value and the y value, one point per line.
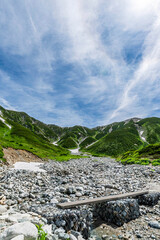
1	152
156	162
143	156
41	233
145	161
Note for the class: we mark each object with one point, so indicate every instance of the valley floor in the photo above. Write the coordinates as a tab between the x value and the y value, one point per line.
37	193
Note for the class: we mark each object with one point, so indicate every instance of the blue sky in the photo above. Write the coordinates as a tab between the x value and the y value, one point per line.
80	62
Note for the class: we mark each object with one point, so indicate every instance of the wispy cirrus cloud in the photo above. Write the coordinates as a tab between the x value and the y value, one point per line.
80	62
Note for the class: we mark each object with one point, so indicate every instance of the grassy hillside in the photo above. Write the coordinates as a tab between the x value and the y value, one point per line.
68	142
119	141
32	124
104	130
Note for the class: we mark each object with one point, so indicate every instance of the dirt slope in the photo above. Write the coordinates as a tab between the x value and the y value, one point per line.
17	155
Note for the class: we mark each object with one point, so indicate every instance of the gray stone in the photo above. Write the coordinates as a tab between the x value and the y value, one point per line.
59	230
70	190
3	209
78	194
154	224
79	189
54	227
54	237
138	235
74	233
63	236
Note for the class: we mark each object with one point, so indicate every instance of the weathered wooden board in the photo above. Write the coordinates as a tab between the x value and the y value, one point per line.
100	199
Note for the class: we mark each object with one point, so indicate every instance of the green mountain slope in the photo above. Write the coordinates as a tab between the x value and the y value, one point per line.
19	137
111	140
68	142
118	141
34	125
151	128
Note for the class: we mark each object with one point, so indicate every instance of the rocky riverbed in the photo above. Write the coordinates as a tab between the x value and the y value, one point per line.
29	197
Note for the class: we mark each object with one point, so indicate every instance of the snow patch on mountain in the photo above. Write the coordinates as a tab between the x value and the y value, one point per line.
141	132
141	136
2	119
55	143
74	151
91	144
110	130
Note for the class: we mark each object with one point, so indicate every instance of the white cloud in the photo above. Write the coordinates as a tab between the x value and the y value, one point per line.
6	104
145	82
93	36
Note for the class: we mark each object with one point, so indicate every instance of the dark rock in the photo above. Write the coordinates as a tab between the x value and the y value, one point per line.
150	199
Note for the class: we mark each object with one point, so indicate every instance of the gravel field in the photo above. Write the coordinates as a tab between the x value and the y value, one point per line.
31	196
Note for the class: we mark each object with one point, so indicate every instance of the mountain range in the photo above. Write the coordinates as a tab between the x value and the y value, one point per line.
129	140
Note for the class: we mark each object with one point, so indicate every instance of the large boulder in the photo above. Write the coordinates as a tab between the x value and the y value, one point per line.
27	229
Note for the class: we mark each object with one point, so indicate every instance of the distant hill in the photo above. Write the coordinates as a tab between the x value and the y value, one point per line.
19	130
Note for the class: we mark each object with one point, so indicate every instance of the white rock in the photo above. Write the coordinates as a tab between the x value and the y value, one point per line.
3	209
78	194
22	217
80	238
4	217
18	217
20	237
27	229
47	229
72	237
54	201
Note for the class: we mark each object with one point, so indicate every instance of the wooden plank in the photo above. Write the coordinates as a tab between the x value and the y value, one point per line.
100	199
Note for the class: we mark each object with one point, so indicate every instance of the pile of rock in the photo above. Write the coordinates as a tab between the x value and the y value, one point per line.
32	197
149	199
118	212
